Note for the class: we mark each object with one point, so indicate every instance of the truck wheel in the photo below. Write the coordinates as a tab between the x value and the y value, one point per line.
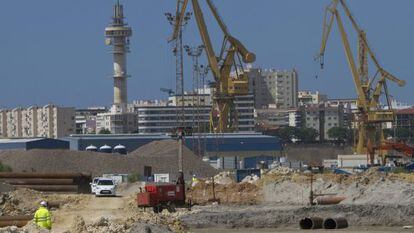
157	209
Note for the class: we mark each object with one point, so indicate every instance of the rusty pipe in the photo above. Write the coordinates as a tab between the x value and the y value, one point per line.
50	188
38	181
311	223
326	200
43	175
17	223
335	223
16	218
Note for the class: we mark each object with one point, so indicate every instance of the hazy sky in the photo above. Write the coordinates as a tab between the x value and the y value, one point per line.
54	52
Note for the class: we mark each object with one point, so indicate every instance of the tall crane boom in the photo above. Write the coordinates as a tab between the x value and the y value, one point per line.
232	54
370	114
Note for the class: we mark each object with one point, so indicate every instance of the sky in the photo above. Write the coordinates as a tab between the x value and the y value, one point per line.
54	51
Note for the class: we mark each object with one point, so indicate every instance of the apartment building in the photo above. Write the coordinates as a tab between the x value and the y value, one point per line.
117	123
275	118
49	121
309	97
163	118
276	87
323	117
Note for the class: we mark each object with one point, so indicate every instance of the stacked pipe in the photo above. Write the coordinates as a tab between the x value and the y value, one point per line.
19	221
49	182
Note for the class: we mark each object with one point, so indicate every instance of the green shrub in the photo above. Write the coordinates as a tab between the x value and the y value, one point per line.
134	177
5	168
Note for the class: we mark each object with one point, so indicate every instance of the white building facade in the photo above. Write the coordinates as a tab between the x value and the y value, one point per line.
273	87
49	121
323	117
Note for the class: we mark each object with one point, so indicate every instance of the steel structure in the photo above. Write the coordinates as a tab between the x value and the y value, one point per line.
370	115
230	59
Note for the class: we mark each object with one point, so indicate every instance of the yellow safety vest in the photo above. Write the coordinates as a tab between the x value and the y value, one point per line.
42	218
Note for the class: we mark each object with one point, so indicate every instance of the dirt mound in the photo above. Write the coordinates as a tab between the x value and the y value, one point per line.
161	156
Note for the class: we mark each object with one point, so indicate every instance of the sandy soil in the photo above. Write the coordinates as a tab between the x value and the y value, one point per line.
111	208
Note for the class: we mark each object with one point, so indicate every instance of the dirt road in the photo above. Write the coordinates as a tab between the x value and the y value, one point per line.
91	209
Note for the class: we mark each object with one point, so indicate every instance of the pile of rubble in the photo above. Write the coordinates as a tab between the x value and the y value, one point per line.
134	224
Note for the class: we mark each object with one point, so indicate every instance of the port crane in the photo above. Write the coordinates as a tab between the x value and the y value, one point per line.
226	67
370	115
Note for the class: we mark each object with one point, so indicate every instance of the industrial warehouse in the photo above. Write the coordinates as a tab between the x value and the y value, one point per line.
225	124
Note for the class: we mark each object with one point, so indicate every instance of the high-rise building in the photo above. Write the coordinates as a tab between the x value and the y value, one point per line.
49	121
273	87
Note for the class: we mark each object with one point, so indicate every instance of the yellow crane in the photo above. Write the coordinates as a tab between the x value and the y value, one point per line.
370	115
232	55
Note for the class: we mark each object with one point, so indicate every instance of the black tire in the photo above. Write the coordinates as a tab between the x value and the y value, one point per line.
157	209
171	208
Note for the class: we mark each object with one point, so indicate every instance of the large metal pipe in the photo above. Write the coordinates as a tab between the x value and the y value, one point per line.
50	188
38	181
43	175
17	217
311	223
329	200
17	223
335	223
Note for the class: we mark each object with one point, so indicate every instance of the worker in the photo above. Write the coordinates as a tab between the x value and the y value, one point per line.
194	181
42	217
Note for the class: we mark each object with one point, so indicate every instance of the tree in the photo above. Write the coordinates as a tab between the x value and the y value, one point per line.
399	133
339	134
104	131
307	135
287	134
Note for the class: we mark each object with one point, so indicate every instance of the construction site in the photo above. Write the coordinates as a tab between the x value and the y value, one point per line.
214	169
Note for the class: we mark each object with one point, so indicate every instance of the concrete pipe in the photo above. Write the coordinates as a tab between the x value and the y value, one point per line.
329	200
311	223
335	223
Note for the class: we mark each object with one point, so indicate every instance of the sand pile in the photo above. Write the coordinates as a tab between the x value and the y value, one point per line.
160	155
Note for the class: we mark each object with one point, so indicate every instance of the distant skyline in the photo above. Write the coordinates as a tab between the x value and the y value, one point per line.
54	51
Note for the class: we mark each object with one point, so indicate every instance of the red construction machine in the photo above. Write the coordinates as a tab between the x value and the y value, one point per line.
160	196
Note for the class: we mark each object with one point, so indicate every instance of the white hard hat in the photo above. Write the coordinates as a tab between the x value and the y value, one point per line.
43	203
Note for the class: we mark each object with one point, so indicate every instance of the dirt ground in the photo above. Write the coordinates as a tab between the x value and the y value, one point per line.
296	230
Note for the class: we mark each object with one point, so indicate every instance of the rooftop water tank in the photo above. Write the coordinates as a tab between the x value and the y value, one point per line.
105	149
120	149
92	148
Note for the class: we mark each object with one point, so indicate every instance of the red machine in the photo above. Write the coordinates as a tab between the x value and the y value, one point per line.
162	196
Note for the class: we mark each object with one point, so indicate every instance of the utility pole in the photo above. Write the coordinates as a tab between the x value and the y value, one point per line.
178	53
195	53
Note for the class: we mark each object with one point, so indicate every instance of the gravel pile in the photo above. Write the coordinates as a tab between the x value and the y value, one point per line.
160	155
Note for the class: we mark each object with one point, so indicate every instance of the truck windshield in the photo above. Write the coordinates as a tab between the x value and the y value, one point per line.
105	182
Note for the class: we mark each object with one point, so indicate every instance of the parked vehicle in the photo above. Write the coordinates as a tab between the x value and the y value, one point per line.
93	184
105	187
